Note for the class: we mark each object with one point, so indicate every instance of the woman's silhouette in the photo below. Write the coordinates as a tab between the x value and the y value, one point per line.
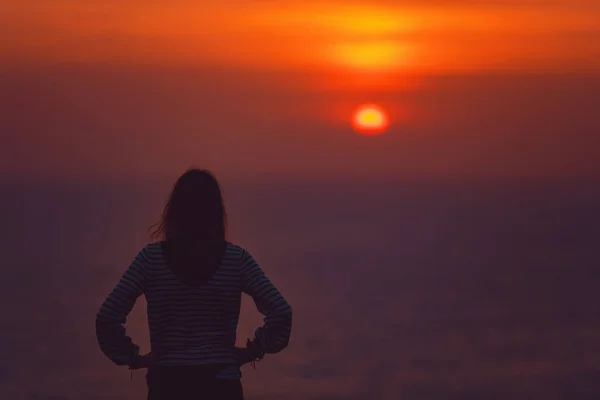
193	279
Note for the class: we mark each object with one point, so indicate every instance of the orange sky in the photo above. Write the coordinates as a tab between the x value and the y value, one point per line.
130	88
419	36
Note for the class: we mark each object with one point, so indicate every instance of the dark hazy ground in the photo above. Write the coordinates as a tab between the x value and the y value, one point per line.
400	290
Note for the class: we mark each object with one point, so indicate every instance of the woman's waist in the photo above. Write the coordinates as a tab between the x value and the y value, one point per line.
190	356
188	338
187	369
194	350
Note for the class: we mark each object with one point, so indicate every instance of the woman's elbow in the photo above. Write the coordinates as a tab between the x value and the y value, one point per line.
286	331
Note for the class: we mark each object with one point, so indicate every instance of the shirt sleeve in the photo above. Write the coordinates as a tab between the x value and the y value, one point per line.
274	335
110	320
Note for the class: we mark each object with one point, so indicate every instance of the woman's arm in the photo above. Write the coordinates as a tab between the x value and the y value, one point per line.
110	332
274	335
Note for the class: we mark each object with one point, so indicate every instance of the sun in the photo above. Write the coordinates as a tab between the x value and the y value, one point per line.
370	119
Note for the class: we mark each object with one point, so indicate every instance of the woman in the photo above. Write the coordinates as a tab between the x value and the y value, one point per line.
193	280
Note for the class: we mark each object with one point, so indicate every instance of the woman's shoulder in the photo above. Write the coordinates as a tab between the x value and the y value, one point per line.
158	247
152	250
153	246
234	249
155	249
239	254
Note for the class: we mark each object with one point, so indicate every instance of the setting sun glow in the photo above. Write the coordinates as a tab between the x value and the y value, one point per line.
370	119
325	36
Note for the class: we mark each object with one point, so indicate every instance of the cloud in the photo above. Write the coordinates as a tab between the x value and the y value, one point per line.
430	35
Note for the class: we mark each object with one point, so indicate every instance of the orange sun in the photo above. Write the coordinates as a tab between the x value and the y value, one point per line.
370	120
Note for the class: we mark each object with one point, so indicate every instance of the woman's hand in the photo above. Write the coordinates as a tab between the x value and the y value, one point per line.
142	361
242	355
249	354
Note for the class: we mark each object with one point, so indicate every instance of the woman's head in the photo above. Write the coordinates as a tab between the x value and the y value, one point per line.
193	227
195	210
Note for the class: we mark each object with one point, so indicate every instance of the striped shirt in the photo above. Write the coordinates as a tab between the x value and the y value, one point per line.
192	325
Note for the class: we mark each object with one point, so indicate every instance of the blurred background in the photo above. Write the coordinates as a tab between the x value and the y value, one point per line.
453	255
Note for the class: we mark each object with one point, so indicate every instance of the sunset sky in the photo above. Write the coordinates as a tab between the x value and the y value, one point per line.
472	87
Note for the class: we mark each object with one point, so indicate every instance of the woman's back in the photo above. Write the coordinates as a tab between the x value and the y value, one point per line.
192	280
195	322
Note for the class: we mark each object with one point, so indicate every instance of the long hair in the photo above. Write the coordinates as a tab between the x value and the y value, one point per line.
193	226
